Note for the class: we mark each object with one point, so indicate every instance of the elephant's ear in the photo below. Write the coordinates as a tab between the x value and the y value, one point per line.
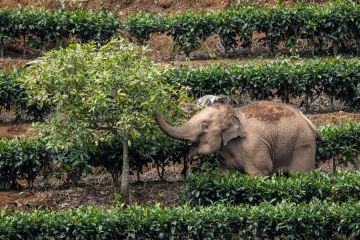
232	129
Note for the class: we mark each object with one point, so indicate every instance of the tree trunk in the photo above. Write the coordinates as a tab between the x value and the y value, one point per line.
335	48
24	45
124	189
59	42
307	101
2	47
158	169
332	103
312	44
185	168
334	164
138	179
163	172
356	163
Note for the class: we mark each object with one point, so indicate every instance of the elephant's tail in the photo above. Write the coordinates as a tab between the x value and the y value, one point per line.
312	126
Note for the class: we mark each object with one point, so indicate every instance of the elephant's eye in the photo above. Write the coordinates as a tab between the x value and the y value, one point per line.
205	126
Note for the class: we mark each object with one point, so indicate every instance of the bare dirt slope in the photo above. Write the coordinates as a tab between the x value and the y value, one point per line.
128	7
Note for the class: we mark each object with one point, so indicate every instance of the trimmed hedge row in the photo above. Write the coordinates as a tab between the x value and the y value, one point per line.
316	220
41	26
236	188
27	159
336	24
338	78
23	159
12	96
340	142
7	90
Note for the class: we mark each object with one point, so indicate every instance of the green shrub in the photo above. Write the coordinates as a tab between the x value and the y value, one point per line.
141	25
22	158
14	97
236	188
39	27
316	220
341	142
339	78
335	24
8	94
30	158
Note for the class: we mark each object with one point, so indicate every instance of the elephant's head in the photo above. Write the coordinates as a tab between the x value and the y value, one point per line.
209	130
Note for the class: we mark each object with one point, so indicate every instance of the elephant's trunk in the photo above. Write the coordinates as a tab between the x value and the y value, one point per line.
182	132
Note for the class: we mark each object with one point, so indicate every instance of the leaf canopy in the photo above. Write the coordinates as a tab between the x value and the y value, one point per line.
113	87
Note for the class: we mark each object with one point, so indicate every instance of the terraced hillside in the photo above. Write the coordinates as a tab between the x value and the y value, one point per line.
303	55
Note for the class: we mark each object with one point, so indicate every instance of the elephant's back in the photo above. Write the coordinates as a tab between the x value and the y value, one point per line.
267	111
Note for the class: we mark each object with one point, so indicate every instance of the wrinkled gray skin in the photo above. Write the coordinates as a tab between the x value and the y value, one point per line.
259	139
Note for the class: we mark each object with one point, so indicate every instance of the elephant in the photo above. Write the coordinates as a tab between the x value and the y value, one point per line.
260	138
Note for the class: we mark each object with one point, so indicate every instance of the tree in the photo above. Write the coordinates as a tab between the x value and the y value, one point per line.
95	91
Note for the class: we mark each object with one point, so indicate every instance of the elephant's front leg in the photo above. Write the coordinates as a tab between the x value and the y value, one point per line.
255	171
193	152
259	164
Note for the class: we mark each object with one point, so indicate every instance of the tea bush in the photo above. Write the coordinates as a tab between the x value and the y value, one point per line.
315	26
338	78
27	158
39	27
236	188
24	159
13	97
341	142
315	220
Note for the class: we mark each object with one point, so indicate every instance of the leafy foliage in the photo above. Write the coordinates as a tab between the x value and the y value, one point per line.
8	94
141	25
283	78
41	26
30	158
341	142
236	188
335	24
97	91
13	97
315	220
338	78
111	88
24	159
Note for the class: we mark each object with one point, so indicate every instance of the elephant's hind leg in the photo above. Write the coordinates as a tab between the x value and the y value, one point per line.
303	159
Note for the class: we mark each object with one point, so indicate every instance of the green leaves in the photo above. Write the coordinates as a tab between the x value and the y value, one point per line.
281	78
315	220
44	26
22	158
341	142
97	91
236	188
112	87
335	24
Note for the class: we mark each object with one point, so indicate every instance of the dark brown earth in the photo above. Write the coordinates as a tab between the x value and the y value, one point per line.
10	130
334	118
264	111
7	64
97	190
129	7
